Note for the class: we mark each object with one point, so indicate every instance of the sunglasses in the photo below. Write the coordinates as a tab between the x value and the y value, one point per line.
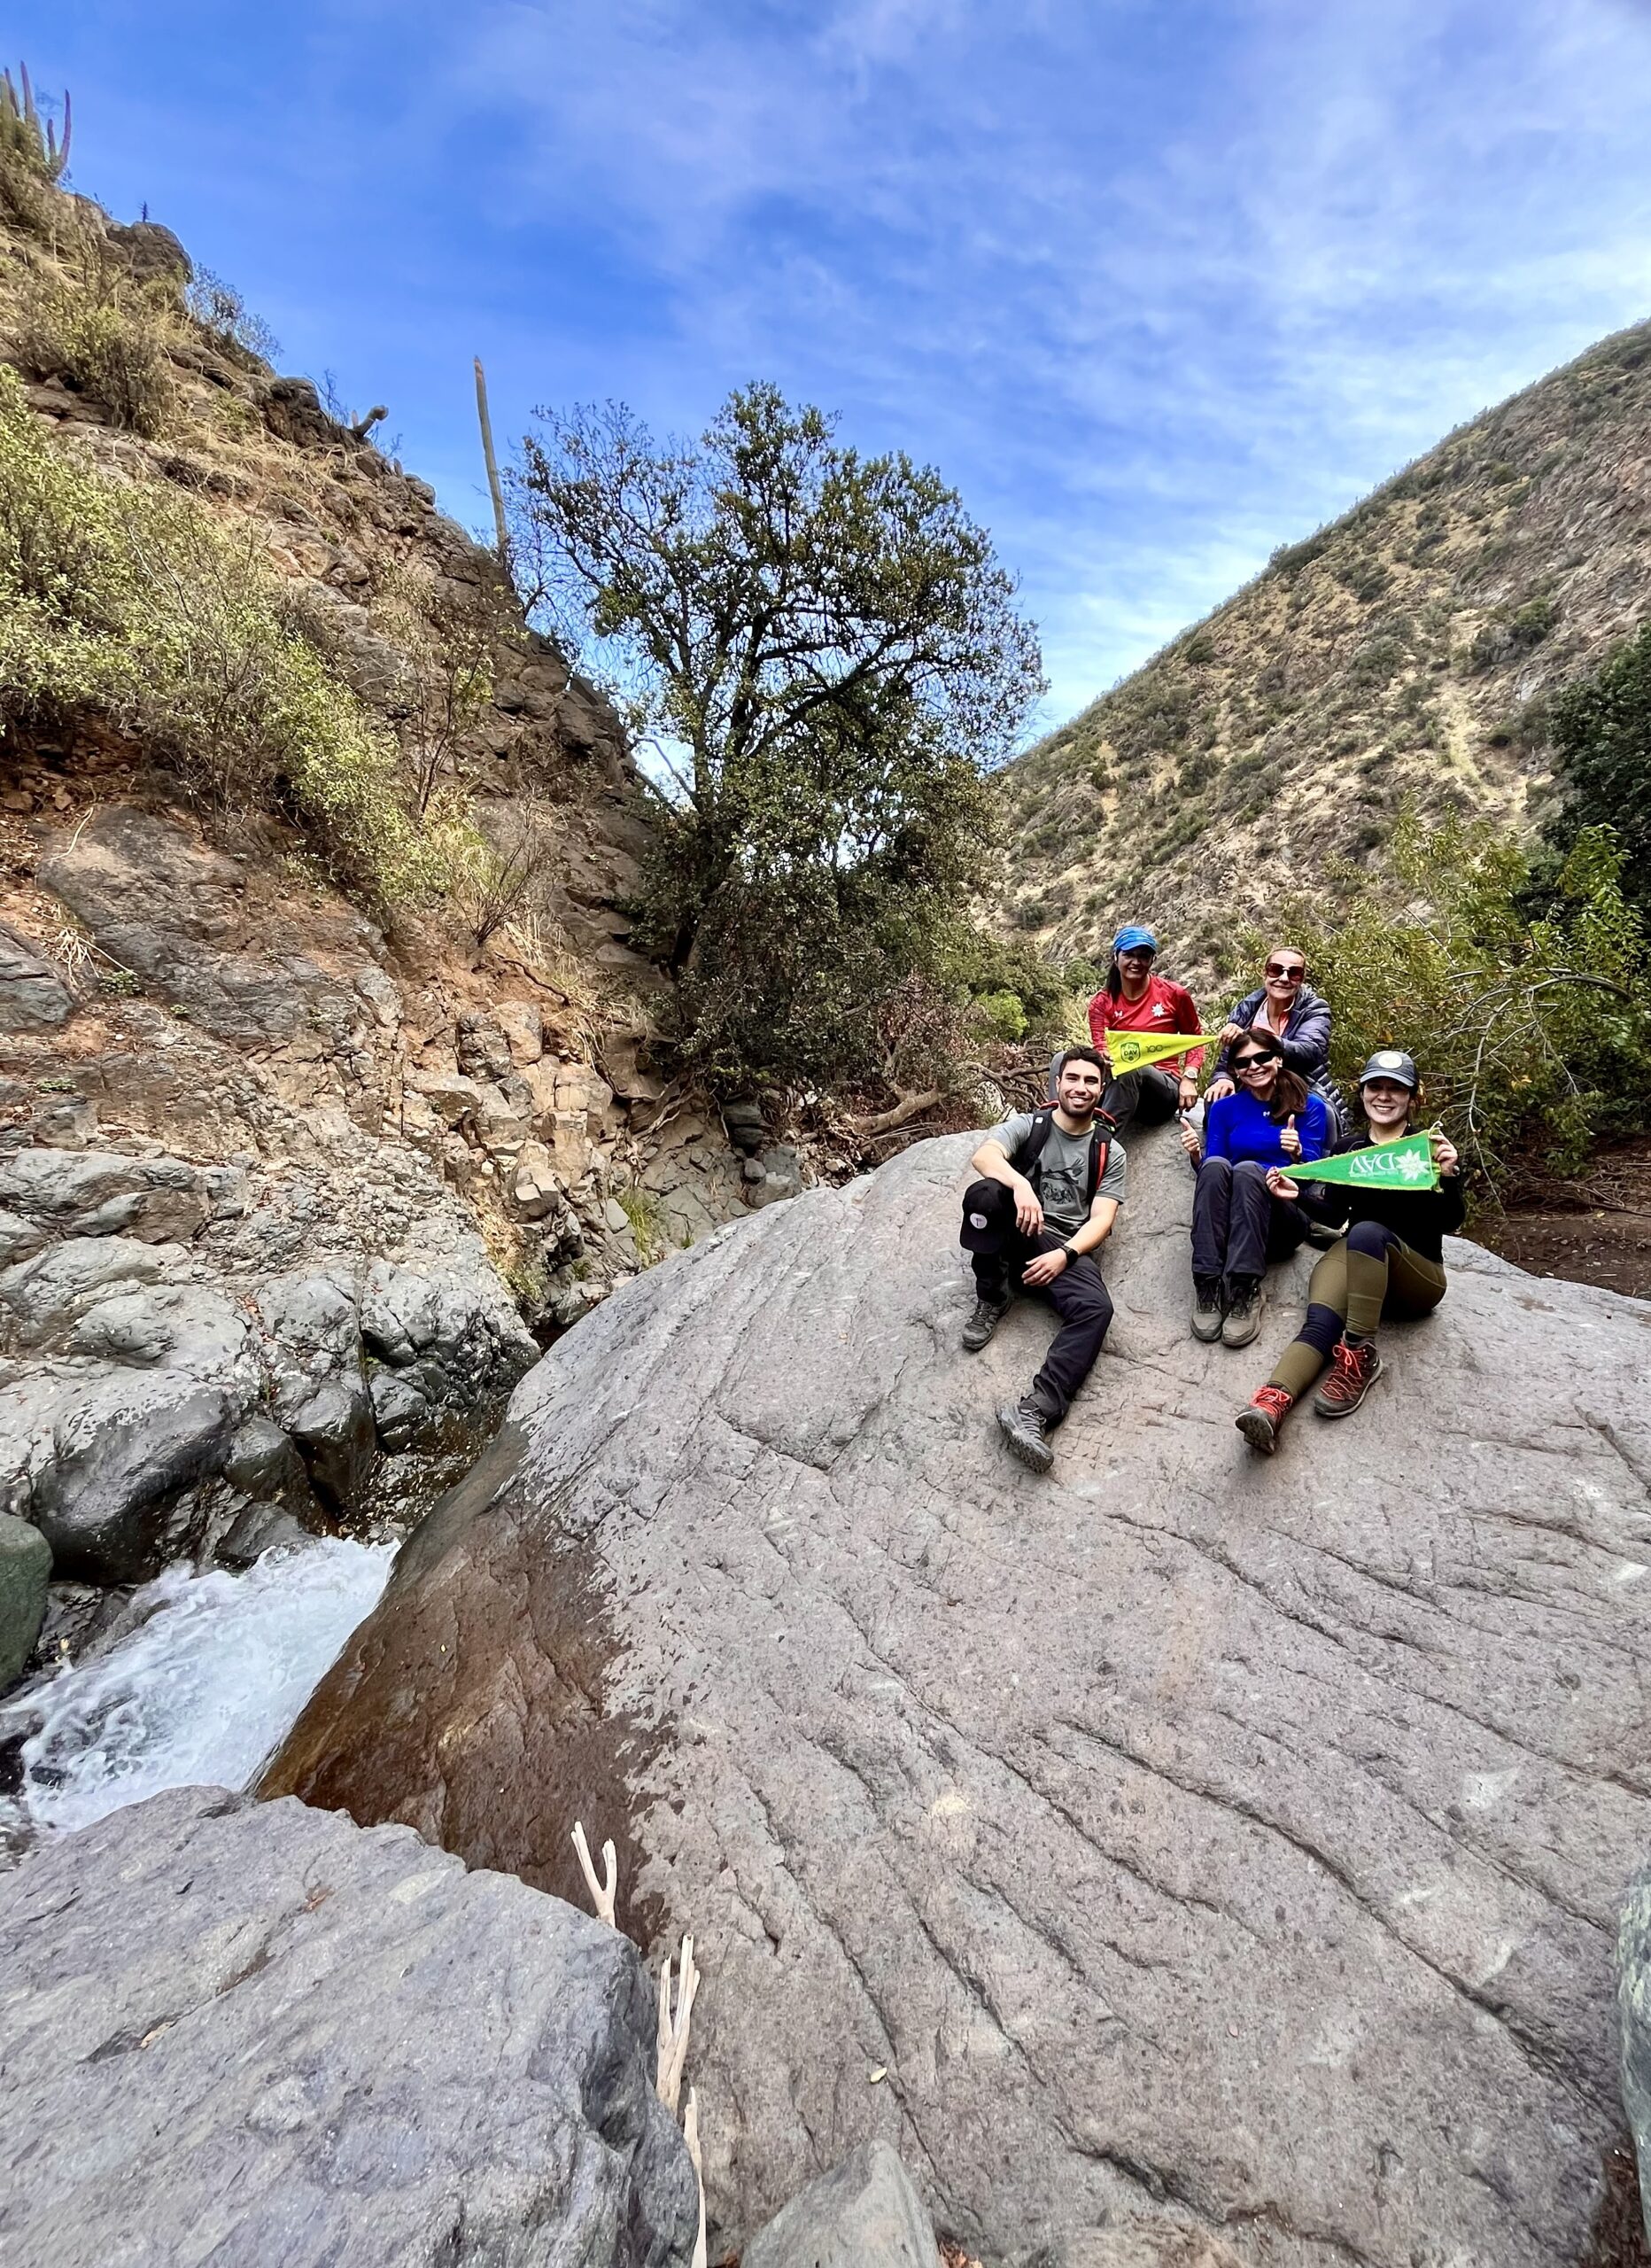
1252	1063
1277	968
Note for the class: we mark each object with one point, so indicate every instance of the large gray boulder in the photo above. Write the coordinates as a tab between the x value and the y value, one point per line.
253	2033
1202	1846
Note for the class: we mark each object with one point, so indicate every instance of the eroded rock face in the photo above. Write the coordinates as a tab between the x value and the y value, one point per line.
253	2033
1224	1850
169	1386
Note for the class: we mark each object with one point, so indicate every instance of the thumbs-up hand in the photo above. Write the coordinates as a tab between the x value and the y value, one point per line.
1290	1141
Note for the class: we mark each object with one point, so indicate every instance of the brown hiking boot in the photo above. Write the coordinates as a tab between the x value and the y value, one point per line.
1259	1420
1353	1371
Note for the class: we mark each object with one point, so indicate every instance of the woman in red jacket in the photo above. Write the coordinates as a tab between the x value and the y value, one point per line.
1134	999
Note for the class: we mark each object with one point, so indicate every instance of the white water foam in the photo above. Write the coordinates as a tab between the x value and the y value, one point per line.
204	1692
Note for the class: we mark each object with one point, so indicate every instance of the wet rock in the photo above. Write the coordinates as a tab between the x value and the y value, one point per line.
263	1461
254	2031
101	1501
400	1412
128	1328
863	2214
25	1581
333	1432
401	1312
33	996
40	1298
1096	1810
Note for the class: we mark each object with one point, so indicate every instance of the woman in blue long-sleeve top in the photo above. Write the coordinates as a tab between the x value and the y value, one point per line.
1239	1227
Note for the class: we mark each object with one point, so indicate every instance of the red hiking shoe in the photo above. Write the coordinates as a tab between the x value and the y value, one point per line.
1353	1371
1261	1417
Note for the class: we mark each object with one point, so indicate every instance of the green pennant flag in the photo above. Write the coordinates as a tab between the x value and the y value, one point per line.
1385	1165
1128	1051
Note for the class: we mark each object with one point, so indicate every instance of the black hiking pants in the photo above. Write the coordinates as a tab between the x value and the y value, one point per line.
1077	1294
1239	1228
1150	1095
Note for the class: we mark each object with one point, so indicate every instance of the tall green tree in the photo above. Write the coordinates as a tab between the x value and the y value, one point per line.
826	657
1600	736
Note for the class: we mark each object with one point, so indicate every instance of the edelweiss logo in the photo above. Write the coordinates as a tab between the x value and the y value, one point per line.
1413	1168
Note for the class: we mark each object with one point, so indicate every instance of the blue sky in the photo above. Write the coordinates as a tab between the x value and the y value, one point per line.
1159	285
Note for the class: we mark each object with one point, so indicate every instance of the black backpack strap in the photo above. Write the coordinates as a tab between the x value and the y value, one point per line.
1025	1157
1032	1148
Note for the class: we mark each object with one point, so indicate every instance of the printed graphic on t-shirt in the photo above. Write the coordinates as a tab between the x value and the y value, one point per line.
1064	1190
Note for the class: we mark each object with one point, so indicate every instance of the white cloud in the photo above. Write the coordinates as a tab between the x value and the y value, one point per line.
1157	285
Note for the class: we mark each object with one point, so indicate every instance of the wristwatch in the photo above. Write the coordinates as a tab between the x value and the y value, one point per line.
1070	1254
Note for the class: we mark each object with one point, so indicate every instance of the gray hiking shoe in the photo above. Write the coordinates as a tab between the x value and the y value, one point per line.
1245	1300
1022	1425
1208	1308
983	1322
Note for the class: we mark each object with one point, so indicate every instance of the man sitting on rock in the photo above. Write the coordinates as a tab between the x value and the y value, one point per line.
1050	1184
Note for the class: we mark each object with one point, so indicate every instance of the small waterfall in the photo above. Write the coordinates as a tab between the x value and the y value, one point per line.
201	1692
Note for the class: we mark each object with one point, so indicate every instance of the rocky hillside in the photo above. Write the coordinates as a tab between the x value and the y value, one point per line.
289	1174
1406	652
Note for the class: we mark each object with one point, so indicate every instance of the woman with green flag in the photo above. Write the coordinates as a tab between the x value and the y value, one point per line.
1396	1199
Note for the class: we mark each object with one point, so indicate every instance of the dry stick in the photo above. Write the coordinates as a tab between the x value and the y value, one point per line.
672	2037
601	1892
691	2136
494	489
673	2025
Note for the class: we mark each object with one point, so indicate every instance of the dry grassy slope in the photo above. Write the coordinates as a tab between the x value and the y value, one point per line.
1407	651
374	561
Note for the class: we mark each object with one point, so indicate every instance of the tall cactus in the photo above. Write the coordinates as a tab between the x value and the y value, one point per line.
26	135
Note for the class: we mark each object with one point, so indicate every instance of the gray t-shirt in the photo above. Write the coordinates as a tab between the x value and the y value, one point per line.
1062	1175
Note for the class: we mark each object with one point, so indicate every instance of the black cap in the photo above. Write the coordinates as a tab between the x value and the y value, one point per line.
1392	1063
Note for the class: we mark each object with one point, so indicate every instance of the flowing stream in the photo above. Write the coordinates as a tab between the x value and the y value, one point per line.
203	1691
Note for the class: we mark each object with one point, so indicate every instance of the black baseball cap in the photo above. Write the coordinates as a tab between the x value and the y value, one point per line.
1392	1063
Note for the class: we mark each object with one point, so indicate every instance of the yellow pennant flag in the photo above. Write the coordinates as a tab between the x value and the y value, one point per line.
1128	1051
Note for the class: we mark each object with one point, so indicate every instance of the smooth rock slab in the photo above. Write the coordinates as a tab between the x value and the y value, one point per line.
1233	1845
251	2034
863	2214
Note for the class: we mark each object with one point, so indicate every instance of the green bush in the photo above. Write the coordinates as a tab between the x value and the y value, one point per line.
1000	1016
1600	731
125	600
1532	1029
90	323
